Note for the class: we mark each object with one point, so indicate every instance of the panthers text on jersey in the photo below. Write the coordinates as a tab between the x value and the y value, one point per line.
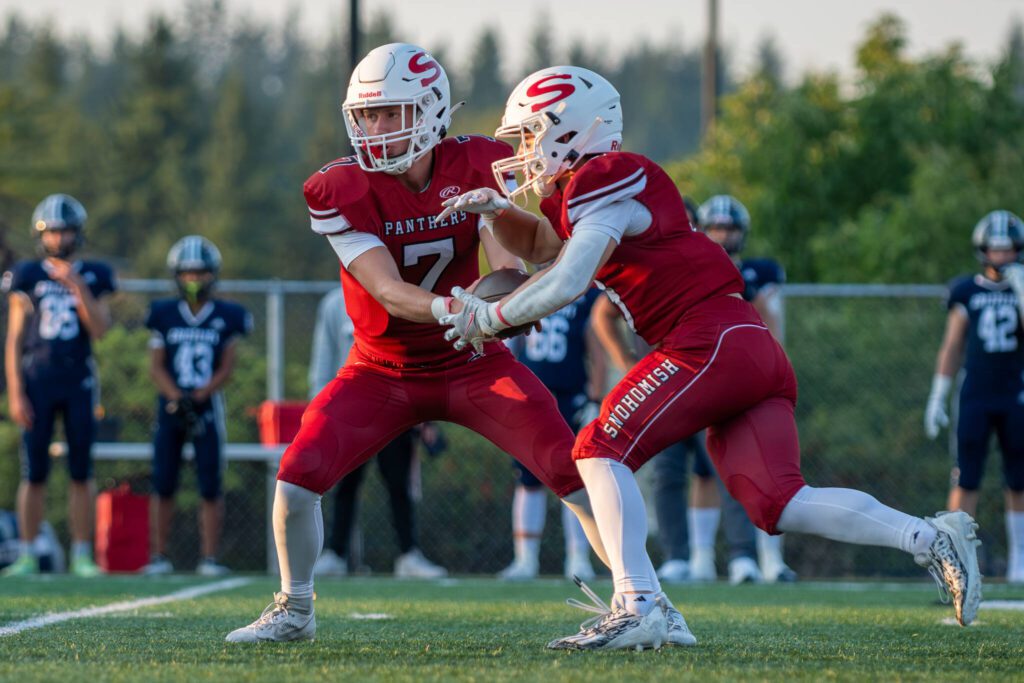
55	341
434	255
195	344
759	273
658	275
994	357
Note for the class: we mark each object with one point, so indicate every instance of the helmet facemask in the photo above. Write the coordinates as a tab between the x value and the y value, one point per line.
423	125
195	290
998	230
540	159
65	247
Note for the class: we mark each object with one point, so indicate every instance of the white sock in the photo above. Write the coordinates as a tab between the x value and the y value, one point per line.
299	535
854	517
703	528
622	521
1015	538
769	549
529	508
579	503
576	544
81	549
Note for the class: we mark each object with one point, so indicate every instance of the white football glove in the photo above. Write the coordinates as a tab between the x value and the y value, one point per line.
485	201
473	325
935	417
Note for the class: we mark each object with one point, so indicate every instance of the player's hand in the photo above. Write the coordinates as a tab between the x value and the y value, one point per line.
21	409
935	416
472	324
485	201
64	272
1014	274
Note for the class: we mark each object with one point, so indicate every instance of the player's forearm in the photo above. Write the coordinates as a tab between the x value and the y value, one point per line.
12	364
165	384
949	359
93	314
608	332
406	301
522	233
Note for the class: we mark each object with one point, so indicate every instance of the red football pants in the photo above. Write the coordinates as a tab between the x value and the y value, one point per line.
367	405
719	369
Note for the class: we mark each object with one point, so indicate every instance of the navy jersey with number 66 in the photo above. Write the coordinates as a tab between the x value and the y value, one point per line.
994	358
194	344
556	353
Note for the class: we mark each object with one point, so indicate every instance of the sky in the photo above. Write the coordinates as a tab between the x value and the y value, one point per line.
812	34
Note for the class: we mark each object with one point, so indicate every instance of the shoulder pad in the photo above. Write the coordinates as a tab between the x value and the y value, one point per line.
610	178
335	189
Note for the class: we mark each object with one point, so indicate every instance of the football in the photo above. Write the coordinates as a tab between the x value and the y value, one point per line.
494	286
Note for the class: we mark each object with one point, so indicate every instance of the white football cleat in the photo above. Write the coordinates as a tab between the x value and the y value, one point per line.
210	567
519	570
330	564
674	571
158	565
614	629
702	565
952	560
744	570
678	632
413	565
277	624
578	565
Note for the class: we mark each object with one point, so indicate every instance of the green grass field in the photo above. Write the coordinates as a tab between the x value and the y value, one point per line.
482	630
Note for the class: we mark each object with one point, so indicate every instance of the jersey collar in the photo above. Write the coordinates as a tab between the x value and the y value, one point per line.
193	320
985	283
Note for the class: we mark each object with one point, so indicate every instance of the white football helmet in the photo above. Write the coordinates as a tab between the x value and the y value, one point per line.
403	75
557	116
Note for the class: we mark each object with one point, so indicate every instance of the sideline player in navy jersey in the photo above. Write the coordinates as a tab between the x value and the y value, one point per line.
558	354
192	355
983	332
726	221
56	308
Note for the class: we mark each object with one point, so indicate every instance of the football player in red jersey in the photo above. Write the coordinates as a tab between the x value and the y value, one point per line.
616	218
378	211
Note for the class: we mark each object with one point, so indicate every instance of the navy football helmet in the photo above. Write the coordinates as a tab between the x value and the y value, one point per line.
998	230
59	212
194	253
724	209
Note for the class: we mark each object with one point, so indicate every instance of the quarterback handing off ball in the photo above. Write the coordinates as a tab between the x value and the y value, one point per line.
495	286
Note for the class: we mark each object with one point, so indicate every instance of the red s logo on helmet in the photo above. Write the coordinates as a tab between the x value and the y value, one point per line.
417	67
559	90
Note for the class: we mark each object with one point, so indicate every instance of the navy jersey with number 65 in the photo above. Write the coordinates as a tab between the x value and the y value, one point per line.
194	344
994	358
55	340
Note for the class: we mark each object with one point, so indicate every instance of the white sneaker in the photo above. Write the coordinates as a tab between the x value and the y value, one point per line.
158	565
952	560
675	571
412	565
702	565
614	629
744	570
774	572
519	570
330	564
579	566
277	624
678	632
210	567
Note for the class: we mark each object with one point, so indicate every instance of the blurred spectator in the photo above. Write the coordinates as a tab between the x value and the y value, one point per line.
56	310
192	356
332	341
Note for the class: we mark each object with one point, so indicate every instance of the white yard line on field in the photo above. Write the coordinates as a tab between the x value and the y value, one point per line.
16	627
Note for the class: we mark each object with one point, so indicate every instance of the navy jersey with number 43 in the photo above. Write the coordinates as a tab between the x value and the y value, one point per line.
556	353
56	340
194	344
994	358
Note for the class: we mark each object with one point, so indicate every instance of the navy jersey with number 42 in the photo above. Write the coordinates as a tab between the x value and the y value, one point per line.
56	340
195	344
994	358
556	353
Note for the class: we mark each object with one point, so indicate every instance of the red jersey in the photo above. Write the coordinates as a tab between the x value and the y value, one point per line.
430	254
656	276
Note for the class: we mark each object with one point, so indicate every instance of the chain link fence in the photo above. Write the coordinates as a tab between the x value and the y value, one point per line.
864	356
